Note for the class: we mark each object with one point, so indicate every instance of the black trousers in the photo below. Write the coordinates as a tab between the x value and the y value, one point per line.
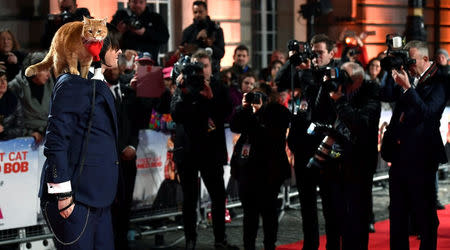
259	200
330	191
412	191
121	207
212	176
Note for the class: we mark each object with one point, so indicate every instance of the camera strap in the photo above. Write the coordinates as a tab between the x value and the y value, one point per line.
429	73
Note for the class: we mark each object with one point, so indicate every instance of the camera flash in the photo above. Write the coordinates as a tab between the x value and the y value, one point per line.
397	42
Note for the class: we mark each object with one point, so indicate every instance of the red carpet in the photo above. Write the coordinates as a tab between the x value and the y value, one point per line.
380	239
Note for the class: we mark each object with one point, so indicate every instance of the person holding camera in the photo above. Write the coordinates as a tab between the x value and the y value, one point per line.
67	9
204	33
199	108
259	162
142	30
355	137
413	144
306	82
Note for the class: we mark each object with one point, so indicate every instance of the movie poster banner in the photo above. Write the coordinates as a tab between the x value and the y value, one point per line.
18	183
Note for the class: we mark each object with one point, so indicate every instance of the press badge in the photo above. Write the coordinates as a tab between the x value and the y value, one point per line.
245	150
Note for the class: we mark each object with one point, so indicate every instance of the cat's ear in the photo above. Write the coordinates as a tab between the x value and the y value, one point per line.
85	19
105	20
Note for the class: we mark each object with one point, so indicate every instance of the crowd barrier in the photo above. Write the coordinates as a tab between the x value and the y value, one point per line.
157	198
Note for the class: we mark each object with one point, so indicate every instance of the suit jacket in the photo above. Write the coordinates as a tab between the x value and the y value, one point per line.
127	119
415	122
67	125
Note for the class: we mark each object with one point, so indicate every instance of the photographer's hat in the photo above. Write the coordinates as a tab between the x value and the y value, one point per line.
145	56
443	52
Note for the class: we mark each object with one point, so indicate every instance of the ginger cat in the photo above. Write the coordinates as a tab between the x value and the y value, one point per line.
68	48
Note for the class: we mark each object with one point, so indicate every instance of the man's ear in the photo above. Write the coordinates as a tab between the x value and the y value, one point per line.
426	58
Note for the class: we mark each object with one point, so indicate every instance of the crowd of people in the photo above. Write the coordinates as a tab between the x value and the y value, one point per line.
326	107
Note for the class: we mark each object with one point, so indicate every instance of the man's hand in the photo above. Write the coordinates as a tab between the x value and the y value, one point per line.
202	35
128	153
401	78
2	129
37	137
122	27
2	65
335	95
64	203
12	58
140	31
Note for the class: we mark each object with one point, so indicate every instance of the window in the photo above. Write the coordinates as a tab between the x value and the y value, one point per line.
264	17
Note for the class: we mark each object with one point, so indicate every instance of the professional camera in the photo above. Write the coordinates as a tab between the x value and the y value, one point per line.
255	97
302	50
133	22
193	78
396	55
61	18
334	78
330	150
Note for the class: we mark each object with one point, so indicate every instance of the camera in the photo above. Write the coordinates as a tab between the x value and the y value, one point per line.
255	97
329	151
134	22
3	58
61	18
193	78
302	50
334	78
396	56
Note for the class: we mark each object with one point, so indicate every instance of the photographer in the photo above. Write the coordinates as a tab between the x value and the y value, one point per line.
307	81
68	13
262	122
357	108
142	30
204	33
199	107
413	144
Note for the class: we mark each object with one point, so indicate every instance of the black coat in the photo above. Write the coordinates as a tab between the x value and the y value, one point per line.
194	137
127	114
415	122
12	117
156	32
213	31
266	132
360	116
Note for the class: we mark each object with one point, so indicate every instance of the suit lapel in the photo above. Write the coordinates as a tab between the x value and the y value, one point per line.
103	90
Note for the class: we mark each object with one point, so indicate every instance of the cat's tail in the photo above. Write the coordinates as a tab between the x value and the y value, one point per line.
45	64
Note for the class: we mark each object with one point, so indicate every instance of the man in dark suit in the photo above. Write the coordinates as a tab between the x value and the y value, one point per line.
416	149
126	106
76	197
199	114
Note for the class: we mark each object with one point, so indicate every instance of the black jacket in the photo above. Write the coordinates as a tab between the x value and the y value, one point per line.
127	113
200	132
266	131
156	33
358	116
415	122
12	118
213	31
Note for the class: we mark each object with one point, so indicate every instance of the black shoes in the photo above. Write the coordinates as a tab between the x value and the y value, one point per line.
224	245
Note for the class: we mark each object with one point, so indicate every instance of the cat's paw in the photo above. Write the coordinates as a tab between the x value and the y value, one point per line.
30	71
74	71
